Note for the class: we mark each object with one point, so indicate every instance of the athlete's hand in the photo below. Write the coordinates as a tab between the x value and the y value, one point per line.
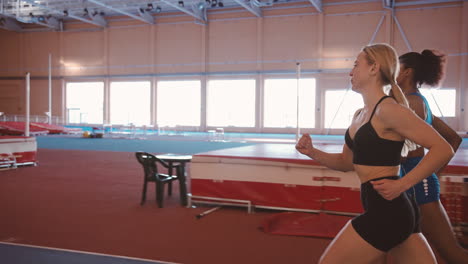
304	145
388	189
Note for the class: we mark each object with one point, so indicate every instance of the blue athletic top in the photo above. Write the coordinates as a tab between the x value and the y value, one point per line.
370	149
428	190
428	109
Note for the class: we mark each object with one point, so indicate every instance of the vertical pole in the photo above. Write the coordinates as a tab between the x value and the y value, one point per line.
26	129
298	72
49	114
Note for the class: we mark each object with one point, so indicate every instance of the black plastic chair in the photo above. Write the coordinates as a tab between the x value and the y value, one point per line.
150	167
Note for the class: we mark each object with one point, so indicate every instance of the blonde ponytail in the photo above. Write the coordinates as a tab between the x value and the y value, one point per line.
387	57
397	93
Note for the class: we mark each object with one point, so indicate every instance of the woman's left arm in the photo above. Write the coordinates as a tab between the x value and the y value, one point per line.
448	134
407	124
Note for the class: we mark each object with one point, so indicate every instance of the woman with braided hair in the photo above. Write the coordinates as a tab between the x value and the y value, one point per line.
417	69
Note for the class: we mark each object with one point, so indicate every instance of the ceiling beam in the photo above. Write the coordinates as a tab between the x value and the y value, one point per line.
317	4
9	23
185	10
250	7
99	23
50	22
145	18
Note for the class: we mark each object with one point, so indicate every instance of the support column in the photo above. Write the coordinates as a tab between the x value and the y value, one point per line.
106	117
203	79
154	80
319	117
463	95
260	83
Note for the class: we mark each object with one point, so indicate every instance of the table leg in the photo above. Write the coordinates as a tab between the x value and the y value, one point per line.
182	184
169	172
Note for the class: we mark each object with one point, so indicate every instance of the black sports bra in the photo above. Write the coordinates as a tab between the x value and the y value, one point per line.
370	149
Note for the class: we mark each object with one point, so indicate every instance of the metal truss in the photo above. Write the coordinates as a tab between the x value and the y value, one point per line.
17	14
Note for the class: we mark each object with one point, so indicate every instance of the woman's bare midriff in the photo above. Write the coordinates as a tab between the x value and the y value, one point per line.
367	173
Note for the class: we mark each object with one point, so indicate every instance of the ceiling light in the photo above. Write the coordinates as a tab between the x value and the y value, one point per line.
181	3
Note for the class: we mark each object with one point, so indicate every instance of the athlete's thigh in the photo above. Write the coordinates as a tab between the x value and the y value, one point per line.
349	247
414	250
435	224
438	230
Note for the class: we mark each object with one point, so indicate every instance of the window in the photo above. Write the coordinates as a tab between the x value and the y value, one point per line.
441	101
178	103
231	103
130	103
340	106
280	104
84	102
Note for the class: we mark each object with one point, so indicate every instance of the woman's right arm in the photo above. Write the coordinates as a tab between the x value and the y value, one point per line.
406	123
337	161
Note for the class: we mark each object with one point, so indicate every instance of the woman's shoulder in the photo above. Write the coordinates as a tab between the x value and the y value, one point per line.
390	109
391	114
416	103
414	99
